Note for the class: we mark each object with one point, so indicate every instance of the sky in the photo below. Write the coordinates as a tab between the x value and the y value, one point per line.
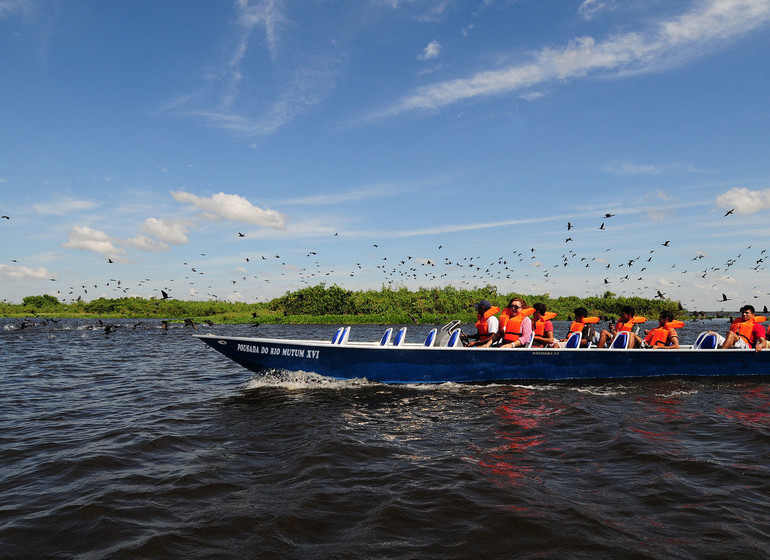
240	150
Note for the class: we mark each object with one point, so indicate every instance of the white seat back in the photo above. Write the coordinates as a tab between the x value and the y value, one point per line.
454	339
620	342
386	336
400	336
431	338
573	341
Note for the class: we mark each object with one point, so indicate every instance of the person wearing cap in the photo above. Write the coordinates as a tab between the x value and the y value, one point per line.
487	323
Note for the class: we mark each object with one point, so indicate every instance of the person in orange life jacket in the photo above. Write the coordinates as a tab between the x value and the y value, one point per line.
515	325
745	332
665	335
582	324
626	323
487	324
542	328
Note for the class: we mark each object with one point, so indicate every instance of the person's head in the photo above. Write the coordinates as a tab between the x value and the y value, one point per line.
516	304
665	317
627	312
540	310
483	306
581	313
747	312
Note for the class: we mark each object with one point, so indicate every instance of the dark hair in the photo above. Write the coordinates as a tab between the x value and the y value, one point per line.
540	308
581	312
747	308
517	298
628	309
667	314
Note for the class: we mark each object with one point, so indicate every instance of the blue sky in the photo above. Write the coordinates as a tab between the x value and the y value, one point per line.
239	150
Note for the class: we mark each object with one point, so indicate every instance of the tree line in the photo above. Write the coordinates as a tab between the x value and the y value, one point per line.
333	304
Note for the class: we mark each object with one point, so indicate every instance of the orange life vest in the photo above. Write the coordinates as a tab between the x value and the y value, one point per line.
660	336
512	330
745	329
481	322
539	327
629	325
577	326
506	315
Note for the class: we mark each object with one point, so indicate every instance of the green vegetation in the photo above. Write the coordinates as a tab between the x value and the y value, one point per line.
319	304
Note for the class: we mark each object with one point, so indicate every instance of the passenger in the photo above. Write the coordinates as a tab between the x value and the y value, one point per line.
487	324
625	324
515	325
664	336
745	331
542	328
581	324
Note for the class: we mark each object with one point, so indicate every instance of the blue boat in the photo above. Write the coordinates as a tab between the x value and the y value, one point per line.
442	359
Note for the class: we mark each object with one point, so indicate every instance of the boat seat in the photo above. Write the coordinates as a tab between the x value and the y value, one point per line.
573	341
431	338
454	339
706	341
400	336
386	336
442	337
338	335
343	338
620	342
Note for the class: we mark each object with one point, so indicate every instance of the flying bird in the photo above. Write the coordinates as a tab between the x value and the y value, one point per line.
608	215
724	298
601	226
241	234
164	294
6	218
666	243
569	226
729	212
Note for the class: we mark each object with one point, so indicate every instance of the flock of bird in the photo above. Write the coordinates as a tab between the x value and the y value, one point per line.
522	271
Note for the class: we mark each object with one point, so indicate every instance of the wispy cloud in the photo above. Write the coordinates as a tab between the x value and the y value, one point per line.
669	42
284	91
60	207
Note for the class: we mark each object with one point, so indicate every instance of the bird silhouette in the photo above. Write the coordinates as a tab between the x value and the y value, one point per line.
164	294
608	215
601	226
729	212
241	234
666	243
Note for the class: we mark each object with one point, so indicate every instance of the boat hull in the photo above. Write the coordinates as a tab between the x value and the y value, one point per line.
418	364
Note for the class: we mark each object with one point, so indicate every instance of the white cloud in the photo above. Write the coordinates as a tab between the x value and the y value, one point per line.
744	201
670	42
144	243
87	239
232	207
433	50
173	231
23	272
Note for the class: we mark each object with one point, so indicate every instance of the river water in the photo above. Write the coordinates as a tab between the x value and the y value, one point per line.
144	443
